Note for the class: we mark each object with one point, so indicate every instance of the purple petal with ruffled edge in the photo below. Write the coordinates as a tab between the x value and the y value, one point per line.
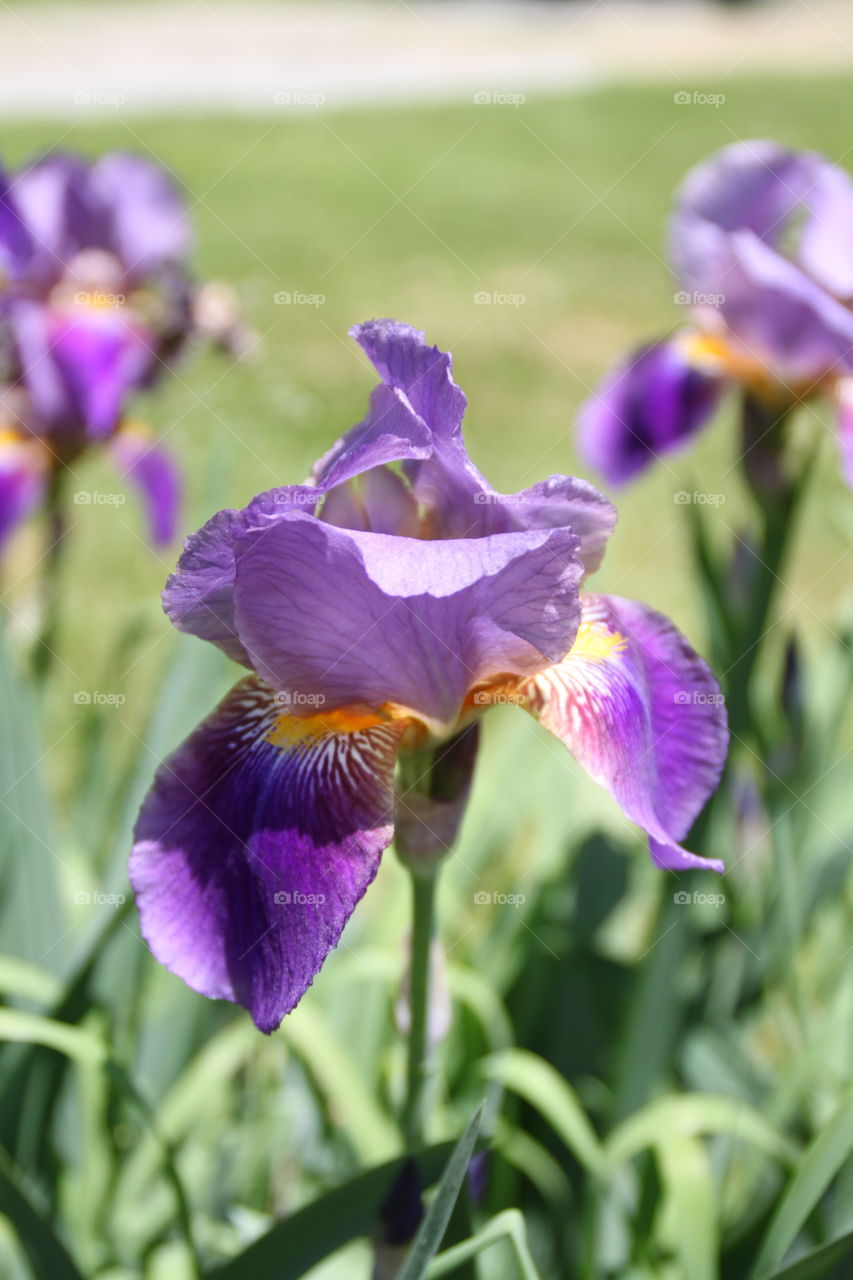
363	617
641	711
22	483
784	321
424	374
199	595
149	228
649	405
256	842
414	407
559	502
149	466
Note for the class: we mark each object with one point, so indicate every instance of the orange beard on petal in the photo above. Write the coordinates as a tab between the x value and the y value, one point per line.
715	354
293	730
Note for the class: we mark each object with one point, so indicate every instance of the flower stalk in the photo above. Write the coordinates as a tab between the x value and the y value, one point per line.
423	887
57	528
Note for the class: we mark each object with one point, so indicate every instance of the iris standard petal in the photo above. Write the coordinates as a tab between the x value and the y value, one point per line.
783	319
641	711
150	468
414	412
424	374
199	595
755	186
149	228
365	617
794	201
648	405
390	432
256	841
51	197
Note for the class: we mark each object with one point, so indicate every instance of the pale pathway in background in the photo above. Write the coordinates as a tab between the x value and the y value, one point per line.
73	60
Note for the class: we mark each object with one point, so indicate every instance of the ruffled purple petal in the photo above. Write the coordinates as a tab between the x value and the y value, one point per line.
149	228
150	467
644	716
254	845
647	406
390	432
404	360
364	617
199	595
560	502
415	411
783	320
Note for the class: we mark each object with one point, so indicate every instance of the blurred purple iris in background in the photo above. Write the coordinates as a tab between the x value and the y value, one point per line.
381	608
95	301
761	242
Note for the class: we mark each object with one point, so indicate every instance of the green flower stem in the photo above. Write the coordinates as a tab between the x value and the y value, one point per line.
423	884
57	528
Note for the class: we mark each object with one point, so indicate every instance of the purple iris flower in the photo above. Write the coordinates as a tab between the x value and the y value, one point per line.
761	241
95	301
381	608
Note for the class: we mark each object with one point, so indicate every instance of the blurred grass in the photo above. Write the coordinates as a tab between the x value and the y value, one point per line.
410	213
